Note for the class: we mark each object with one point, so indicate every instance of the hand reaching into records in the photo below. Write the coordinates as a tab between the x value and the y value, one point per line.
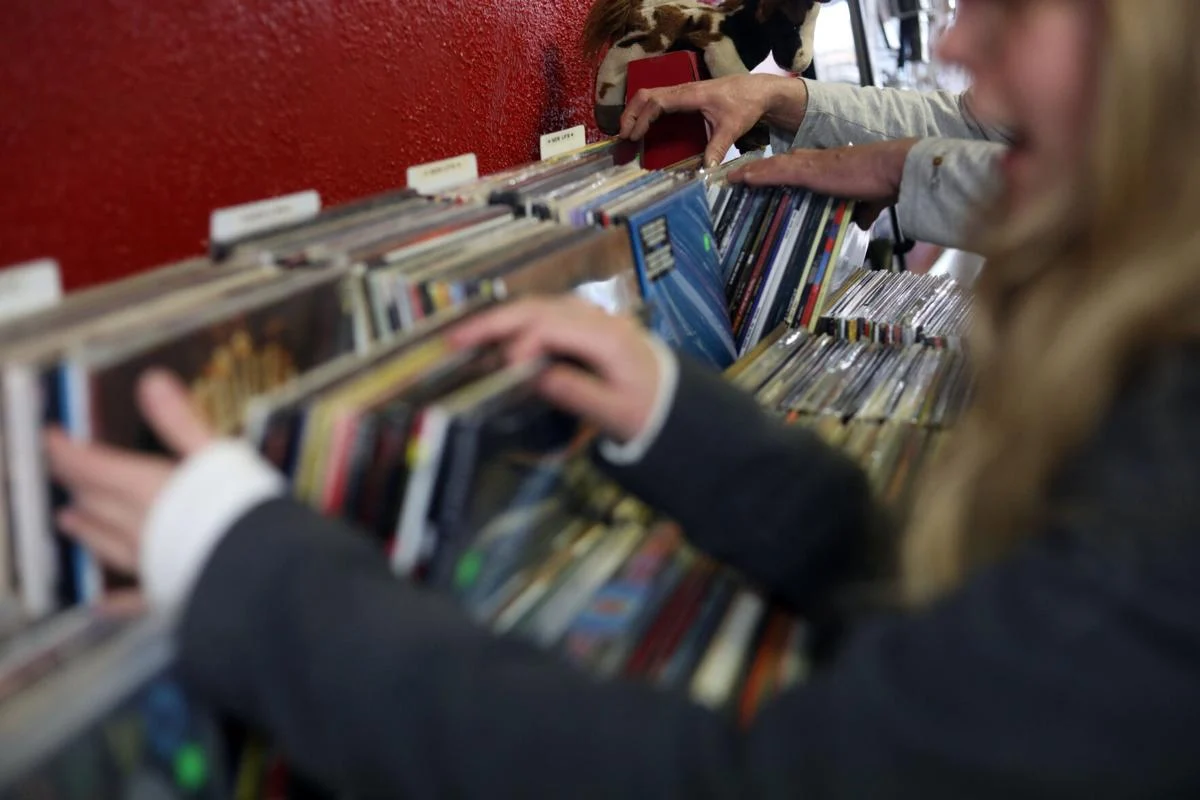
869	174
113	490
731	105
615	378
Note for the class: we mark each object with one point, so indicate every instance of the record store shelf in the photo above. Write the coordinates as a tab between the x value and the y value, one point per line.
324	344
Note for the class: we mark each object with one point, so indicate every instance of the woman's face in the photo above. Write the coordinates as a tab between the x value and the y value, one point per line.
1033	65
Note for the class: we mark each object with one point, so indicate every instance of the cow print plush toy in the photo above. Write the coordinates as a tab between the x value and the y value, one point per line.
733	37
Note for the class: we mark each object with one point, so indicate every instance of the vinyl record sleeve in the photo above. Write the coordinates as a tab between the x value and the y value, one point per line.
680	275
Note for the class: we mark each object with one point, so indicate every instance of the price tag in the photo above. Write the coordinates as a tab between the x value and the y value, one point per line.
561	142
237	222
29	287
439	176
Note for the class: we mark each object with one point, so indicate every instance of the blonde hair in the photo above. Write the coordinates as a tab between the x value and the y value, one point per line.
1077	292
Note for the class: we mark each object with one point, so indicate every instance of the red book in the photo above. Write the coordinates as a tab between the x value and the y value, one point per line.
672	137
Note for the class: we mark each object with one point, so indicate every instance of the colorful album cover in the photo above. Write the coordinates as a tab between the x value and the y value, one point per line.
224	364
681	276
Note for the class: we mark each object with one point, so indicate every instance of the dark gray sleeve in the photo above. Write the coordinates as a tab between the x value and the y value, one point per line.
772	500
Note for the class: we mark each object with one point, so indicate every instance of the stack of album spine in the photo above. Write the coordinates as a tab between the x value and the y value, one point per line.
784	251
721	265
282	304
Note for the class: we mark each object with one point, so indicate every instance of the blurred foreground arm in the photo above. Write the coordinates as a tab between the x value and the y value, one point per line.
1034	680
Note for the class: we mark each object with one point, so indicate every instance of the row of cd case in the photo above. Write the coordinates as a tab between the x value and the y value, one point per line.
890	407
900	308
511	520
469	483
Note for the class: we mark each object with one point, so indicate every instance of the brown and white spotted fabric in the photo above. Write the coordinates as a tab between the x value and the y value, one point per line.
732	37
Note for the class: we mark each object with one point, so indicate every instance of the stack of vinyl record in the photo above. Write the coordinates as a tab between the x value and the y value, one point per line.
282	304
900	308
325	345
48	358
409	257
783	252
667	222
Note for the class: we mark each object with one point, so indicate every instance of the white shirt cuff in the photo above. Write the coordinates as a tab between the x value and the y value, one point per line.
631	452
206	495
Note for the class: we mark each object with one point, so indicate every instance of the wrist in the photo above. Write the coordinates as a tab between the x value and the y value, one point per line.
630	449
207	493
785	102
892	167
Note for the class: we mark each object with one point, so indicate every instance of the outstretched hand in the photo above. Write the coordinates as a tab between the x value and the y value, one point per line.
731	105
869	174
613	381
113	490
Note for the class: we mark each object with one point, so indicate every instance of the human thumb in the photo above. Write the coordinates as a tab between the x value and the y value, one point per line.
718	145
165	403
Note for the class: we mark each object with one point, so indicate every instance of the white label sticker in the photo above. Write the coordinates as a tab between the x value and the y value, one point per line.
556	144
29	287
237	222
439	176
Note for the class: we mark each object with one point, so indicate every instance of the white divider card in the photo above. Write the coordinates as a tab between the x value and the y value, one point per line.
440	176
562	142
29	287
237	222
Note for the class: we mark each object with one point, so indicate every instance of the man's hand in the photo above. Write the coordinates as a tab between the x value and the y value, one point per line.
869	174
732	106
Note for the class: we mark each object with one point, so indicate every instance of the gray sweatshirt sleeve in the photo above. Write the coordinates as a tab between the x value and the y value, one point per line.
945	182
839	114
945	177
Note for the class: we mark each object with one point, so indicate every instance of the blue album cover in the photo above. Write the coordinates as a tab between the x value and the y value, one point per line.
680	273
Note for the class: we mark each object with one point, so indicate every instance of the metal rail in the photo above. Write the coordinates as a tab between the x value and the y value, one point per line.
866	77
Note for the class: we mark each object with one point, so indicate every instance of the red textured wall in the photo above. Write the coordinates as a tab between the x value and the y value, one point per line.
123	123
